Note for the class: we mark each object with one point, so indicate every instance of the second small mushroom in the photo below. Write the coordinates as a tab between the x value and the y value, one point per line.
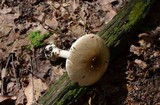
87	59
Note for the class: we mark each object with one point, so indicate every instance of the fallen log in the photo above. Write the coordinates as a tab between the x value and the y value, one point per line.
115	33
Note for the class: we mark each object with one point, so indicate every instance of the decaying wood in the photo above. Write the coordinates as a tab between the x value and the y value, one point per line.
64	92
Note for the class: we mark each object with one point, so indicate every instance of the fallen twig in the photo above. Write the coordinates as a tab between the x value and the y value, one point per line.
3	76
15	71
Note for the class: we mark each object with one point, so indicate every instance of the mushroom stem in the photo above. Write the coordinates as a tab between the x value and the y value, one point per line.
55	52
60	53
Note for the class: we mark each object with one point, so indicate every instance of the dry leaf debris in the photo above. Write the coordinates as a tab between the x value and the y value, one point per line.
144	70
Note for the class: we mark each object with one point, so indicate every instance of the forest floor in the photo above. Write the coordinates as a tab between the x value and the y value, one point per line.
27	26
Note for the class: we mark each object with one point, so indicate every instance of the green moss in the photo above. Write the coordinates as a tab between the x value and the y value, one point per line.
71	95
37	39
139	11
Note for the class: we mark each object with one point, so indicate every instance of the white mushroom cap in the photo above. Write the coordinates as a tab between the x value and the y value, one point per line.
88	60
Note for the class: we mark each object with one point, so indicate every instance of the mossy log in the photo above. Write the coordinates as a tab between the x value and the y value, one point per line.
115	34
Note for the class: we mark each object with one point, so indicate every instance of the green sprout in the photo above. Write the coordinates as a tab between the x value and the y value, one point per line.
37	38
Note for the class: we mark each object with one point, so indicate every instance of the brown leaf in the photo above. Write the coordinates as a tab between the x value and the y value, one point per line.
77	30
135	50
43	67
52	39
3	73
12	88
21	98
156	54
38	27
106	5
5	10
52	23
39	87
110	15
141	63
94	21
18	44
8	19
1	54
82	14
74	5
29	92
11	38
57	72
3	98
64	12
4	31
56	5
34	89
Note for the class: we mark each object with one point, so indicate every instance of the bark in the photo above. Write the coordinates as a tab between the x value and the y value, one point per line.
115	34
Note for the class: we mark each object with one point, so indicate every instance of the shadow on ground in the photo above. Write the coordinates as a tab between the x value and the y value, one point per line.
111	89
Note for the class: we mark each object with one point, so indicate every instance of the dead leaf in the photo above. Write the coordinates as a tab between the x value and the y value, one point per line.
141	63
144	44
77	30
56	5
136	50
29	91
156	54
8	19
110	15
18	45
82	14
11	38
74	4
12	88
1	54
4	31
34	89
3	73
38	14
21	98
106	5
142	35
5	10
43	67
3	98
108	8
94	21
57	72
38	27
52	23
63	11
39	87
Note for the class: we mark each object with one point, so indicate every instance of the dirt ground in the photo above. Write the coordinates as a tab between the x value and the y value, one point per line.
132	79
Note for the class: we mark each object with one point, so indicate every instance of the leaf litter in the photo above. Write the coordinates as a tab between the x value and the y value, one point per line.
144	69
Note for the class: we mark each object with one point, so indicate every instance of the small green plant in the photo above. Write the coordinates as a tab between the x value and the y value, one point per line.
37	38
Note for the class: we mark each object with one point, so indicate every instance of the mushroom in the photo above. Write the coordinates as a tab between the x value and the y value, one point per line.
87	59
